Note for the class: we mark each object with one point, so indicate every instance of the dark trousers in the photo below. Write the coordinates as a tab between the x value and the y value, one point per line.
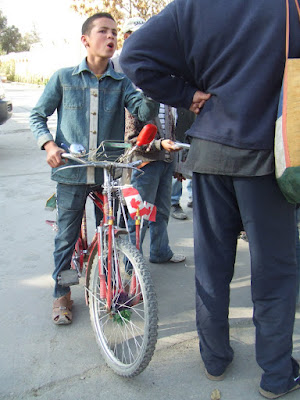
222	207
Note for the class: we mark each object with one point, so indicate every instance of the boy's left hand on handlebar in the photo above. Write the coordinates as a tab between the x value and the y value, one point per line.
54	154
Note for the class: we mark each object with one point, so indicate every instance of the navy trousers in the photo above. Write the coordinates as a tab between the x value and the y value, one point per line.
222	206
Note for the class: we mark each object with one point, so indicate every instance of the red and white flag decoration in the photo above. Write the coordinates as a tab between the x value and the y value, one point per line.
134	201
149	211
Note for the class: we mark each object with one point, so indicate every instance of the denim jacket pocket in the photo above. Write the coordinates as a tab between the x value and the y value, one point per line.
73	98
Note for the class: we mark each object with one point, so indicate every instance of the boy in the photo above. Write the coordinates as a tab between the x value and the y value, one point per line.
90	100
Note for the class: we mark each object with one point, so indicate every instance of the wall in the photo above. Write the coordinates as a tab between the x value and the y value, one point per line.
38	64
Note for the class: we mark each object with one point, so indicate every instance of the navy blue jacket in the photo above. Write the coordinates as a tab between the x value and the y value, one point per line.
234	50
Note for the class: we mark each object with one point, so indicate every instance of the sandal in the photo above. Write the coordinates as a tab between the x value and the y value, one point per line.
62	314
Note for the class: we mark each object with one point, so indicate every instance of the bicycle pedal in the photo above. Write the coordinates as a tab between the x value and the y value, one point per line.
68	278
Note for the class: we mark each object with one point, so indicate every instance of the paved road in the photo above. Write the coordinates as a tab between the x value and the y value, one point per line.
39	360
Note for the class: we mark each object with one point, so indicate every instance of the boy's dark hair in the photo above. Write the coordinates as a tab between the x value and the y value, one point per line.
88	24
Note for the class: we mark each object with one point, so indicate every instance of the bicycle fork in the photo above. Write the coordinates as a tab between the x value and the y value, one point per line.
105	235
110	280
134	285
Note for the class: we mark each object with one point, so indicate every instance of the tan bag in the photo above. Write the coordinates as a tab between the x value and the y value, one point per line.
287	130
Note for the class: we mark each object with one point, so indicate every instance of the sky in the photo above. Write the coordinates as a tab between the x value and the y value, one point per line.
52	19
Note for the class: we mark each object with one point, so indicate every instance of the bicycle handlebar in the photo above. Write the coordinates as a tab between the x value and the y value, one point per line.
99	164
182	145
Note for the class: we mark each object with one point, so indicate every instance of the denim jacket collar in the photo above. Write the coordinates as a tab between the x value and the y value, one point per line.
83	66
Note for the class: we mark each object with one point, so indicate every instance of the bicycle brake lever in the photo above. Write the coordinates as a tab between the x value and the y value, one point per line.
136	163
65	147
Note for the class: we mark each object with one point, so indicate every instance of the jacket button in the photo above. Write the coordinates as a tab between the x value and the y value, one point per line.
94	113
94	132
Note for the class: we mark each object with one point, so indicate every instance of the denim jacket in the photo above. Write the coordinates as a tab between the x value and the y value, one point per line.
89	110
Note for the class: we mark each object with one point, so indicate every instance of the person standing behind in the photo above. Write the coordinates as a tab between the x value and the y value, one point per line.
90	100
227	60
155	184
130	26
185	119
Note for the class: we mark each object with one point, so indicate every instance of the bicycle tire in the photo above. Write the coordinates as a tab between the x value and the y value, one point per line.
127	334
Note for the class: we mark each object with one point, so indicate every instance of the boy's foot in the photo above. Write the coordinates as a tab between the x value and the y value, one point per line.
270	395
177	212
62	314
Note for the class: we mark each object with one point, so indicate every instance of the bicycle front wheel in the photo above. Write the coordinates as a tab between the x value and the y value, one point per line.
126	332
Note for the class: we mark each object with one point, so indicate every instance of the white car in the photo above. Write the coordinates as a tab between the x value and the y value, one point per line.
5	105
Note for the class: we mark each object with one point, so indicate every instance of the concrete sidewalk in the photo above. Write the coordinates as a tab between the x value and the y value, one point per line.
42	361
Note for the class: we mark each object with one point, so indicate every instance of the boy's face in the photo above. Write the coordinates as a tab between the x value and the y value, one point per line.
102	40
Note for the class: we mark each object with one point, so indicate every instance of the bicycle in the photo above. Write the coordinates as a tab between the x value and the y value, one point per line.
118	286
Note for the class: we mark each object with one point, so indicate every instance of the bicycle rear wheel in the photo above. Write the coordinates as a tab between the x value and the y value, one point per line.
127	332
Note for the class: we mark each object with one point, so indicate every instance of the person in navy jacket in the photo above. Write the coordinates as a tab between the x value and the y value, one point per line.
225	61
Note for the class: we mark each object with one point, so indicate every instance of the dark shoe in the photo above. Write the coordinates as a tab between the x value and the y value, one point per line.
214	377
190	204
177	212
270	395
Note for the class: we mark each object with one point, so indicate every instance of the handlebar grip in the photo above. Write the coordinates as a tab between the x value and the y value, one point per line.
65	155
71	157
182	145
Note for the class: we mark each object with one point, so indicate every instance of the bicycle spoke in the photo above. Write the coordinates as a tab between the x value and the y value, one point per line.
126	333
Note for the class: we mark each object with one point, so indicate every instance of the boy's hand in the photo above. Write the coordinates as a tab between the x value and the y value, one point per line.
54	154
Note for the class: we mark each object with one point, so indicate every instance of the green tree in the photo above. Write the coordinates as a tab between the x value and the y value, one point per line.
90	7
28	39
11	40
146	9
120	9
3	21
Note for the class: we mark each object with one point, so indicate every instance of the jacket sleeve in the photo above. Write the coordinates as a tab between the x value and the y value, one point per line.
46	105
139	105
153	59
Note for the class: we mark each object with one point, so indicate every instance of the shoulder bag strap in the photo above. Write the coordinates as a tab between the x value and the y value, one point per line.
287	29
